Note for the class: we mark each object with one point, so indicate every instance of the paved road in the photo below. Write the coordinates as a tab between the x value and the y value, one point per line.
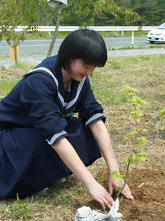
28	47
35	59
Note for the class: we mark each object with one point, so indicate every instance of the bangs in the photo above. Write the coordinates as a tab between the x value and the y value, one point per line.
93	55
84	44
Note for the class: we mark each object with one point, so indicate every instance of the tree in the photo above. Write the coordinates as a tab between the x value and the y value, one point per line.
37	12
86	10
24	13
14	13
56	29
21	12
10	10
151	12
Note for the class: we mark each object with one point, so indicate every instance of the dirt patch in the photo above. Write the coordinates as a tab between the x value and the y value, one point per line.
148	188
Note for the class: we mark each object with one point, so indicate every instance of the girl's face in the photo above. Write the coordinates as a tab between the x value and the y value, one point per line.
79	70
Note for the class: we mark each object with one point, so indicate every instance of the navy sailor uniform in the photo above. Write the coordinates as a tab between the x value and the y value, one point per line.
35	115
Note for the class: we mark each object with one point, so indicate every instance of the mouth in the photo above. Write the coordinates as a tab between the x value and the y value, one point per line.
83	76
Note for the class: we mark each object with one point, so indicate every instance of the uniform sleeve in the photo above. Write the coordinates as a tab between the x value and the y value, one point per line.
39	96
89	109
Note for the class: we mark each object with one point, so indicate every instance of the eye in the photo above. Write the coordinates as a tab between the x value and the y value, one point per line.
86	66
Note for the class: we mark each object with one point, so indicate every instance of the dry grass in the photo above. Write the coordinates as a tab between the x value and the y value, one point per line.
145	73
10	76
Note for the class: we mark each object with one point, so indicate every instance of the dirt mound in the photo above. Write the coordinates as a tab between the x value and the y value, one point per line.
148	188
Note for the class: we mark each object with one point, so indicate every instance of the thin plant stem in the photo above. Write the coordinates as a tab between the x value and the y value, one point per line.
125	180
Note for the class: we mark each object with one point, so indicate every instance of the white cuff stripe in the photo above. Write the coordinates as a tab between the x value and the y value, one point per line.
56	136
93	118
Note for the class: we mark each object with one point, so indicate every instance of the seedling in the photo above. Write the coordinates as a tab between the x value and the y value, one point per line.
162	114
19	208
160	126
135	136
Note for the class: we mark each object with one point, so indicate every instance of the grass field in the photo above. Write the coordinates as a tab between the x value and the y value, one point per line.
103	33
147	75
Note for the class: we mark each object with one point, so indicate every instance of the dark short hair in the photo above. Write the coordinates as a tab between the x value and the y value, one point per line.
84	44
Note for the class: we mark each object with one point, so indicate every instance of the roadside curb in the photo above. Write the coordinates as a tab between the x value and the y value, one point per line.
135	52
36	59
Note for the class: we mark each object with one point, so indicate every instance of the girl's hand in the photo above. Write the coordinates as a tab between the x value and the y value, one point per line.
126	192
100	194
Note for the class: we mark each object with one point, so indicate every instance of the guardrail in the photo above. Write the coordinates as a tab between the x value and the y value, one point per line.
96	28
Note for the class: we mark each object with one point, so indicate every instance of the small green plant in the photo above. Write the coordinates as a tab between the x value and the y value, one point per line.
19	208
160	125
162	114
135	136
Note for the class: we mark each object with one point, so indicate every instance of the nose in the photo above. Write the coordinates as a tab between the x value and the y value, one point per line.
89	72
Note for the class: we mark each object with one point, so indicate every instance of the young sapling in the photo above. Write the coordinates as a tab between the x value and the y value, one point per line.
135	136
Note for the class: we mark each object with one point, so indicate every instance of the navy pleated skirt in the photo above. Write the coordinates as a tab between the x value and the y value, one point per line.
28	164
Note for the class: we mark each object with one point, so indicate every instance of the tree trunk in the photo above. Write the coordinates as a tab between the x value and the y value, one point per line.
15	52
56	30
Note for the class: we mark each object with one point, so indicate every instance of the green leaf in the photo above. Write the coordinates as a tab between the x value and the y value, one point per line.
136	113
142	156
141	141
131	134
118	189
117	176
162	114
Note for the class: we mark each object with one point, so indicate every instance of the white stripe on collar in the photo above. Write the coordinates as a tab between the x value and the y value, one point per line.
55	80
67	105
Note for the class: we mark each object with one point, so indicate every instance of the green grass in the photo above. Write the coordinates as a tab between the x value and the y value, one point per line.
10	76
146	74
103	33
63	34
139	71
137	47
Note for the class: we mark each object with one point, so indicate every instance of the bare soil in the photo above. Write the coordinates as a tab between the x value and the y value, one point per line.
148	188
146	181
